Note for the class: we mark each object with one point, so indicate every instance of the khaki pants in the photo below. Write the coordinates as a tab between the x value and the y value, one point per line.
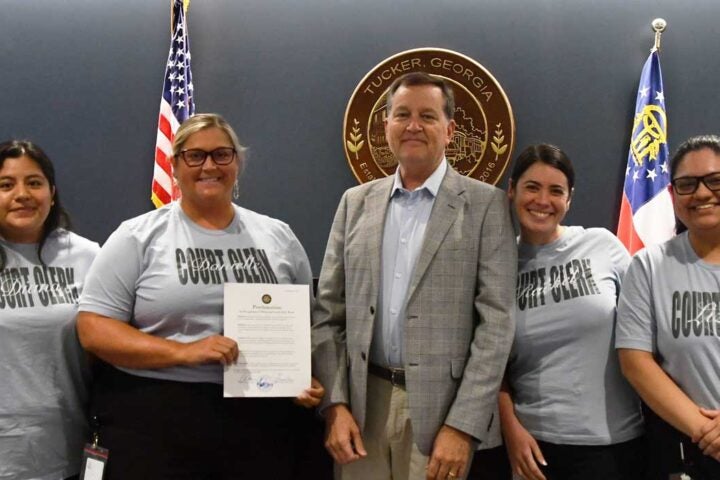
388	438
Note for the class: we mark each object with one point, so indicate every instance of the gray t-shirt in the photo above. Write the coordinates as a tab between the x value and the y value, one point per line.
670	306
164	274
44	372
563	370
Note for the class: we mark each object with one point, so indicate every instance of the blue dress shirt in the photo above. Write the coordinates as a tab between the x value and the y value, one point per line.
405	222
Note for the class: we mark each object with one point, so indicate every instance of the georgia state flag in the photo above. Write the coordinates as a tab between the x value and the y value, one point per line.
646	212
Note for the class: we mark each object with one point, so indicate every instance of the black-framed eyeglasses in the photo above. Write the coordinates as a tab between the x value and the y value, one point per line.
195	157
689	185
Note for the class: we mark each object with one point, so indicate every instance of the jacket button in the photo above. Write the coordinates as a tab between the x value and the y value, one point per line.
372	310
363	356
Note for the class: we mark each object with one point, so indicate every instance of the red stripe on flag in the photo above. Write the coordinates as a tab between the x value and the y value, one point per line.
161	193
162	160
164	126
626	230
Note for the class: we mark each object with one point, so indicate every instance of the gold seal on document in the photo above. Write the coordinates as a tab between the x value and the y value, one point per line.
485	133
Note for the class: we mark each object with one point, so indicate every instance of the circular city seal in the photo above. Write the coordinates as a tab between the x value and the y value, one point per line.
485	134
266	299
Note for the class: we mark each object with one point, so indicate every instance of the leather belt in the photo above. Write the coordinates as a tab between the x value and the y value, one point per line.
396	376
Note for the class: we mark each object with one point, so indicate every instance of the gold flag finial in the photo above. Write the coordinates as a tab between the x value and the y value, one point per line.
658	26
186	5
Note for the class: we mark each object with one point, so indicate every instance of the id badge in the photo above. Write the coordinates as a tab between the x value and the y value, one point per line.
94	460
681	475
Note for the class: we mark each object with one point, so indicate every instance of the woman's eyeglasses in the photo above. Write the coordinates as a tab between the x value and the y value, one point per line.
195	157
688	185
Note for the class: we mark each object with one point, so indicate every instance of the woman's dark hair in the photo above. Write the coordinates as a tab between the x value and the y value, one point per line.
547	154
692	144
57	217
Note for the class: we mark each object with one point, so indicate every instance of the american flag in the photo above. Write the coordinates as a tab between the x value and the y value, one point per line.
177	104
646	212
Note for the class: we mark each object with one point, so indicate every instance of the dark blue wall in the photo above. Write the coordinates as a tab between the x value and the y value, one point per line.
83	79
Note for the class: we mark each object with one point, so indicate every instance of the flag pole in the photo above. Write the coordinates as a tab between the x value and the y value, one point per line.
172	18
658	26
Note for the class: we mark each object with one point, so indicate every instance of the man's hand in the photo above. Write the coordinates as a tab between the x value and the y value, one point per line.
342	435
450	454
708	437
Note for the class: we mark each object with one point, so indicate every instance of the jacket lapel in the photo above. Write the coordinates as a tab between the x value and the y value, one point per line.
448	205
375	209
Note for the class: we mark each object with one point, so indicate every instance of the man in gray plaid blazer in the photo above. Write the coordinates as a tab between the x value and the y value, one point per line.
412	324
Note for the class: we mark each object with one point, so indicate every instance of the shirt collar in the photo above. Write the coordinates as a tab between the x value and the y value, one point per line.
432	184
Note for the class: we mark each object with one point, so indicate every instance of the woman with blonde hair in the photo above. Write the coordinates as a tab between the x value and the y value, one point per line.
153	310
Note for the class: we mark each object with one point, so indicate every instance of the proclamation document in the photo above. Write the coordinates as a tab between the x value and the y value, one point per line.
271	325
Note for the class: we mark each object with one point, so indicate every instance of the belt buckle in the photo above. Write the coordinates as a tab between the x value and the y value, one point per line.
393	381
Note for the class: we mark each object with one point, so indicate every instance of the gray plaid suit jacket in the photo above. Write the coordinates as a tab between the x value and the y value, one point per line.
459	326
